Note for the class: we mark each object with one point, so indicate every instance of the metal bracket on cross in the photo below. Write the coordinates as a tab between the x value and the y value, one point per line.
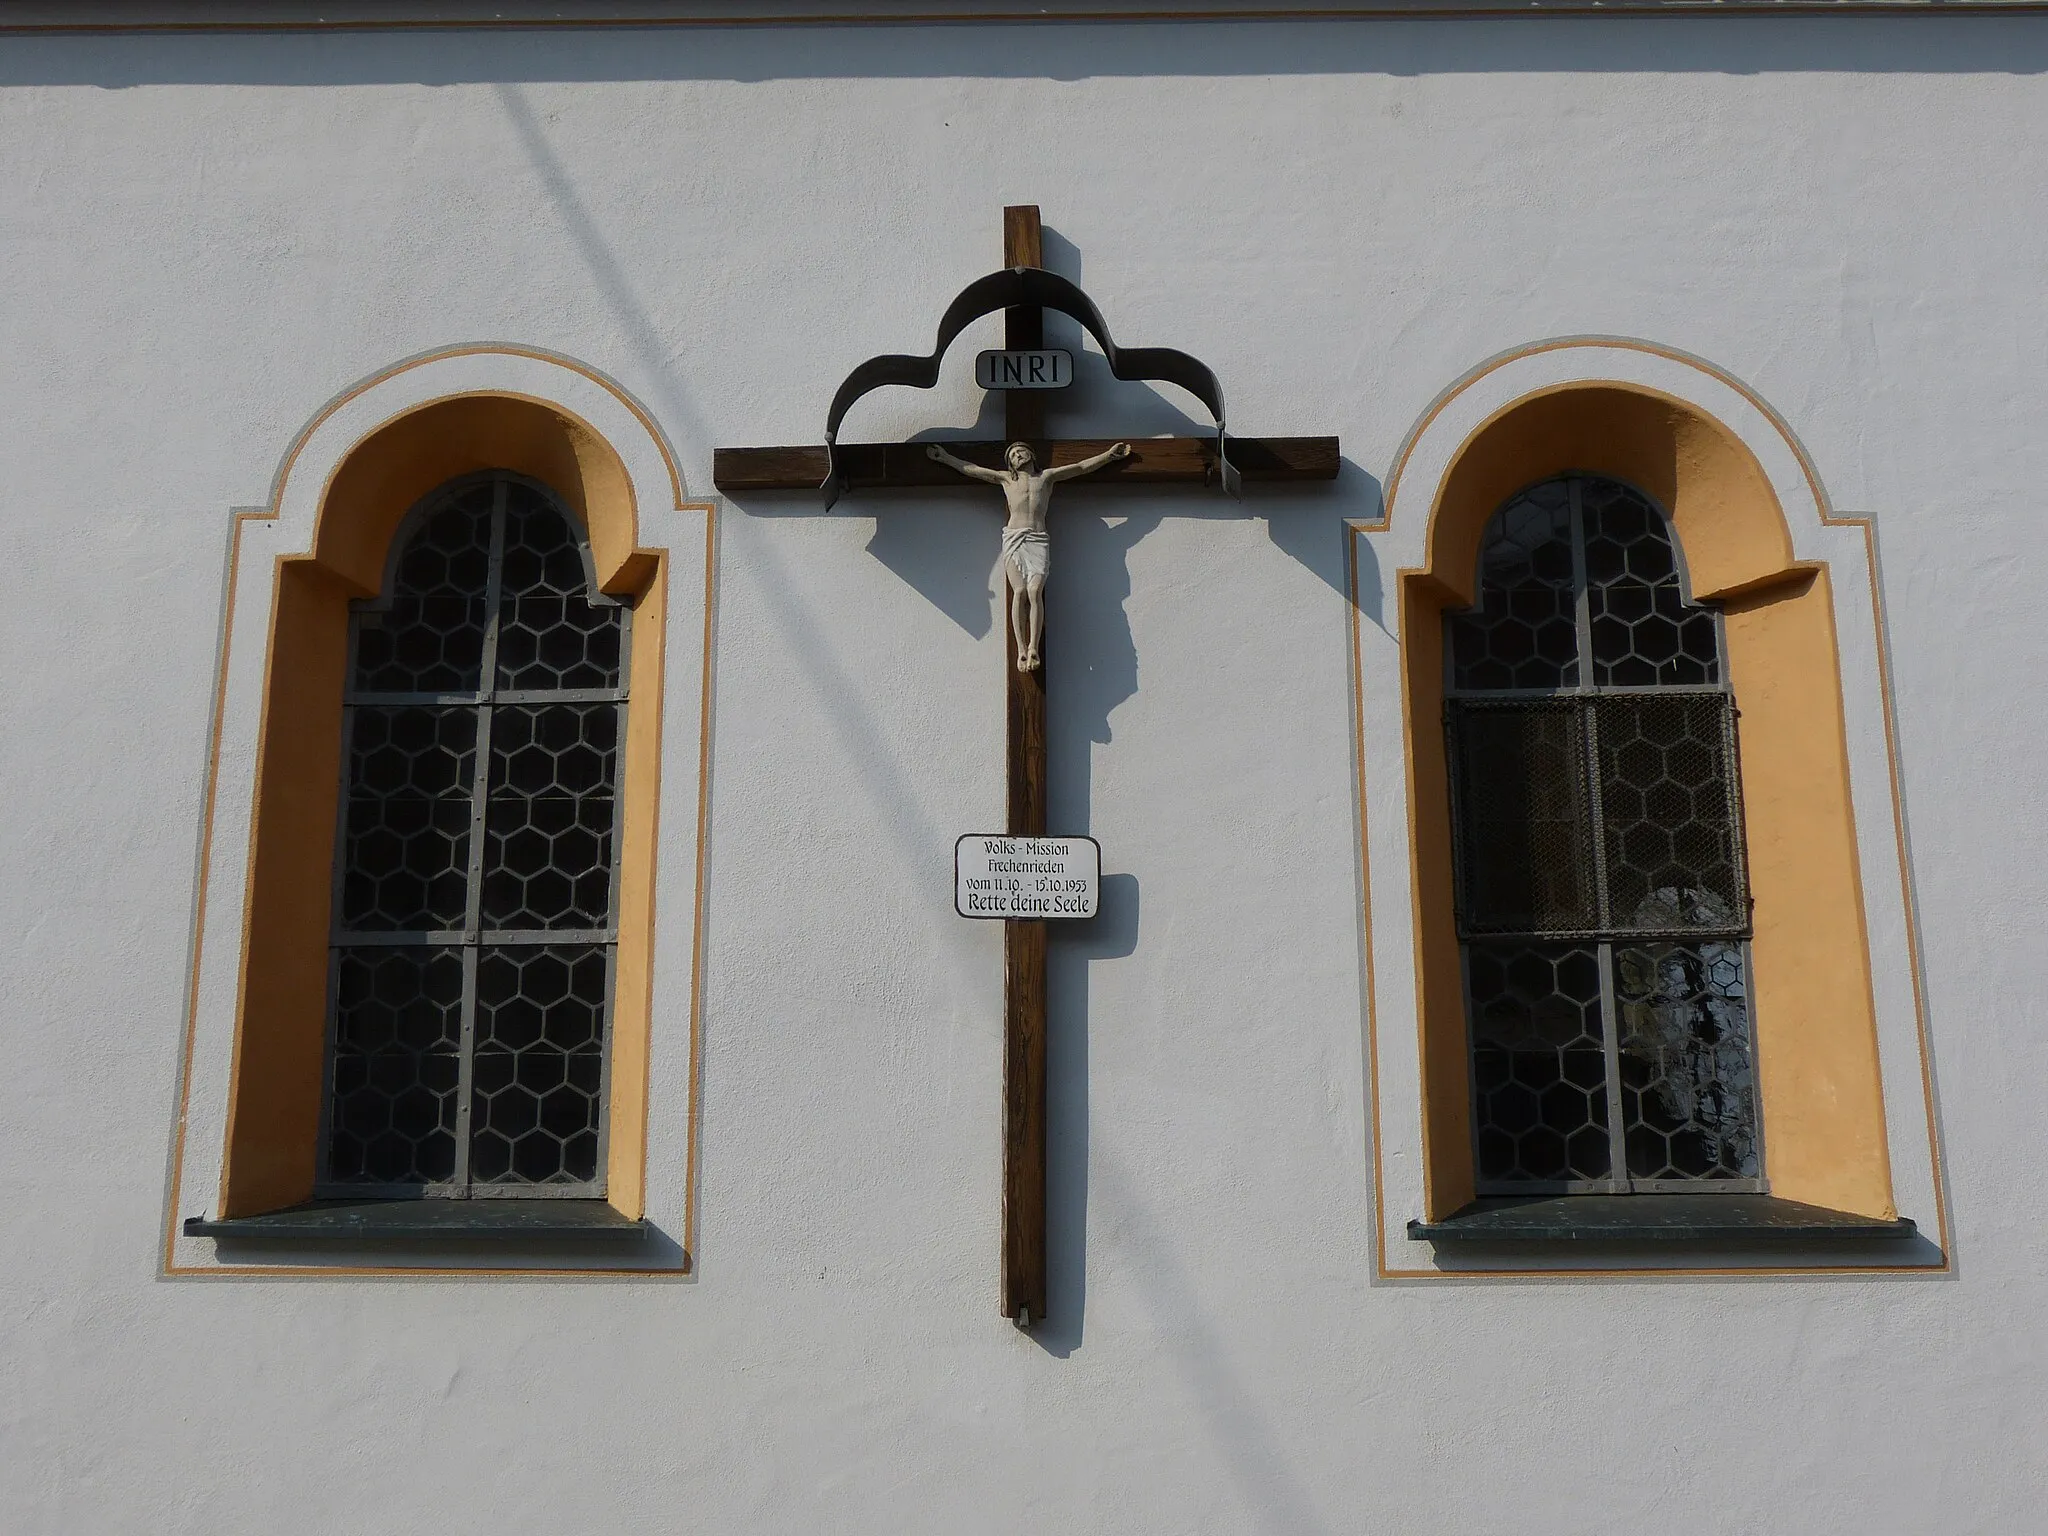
1022	288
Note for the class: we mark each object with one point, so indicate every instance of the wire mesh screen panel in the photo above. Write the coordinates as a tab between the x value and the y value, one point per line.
1671	819
1602	891
476	870
1524	817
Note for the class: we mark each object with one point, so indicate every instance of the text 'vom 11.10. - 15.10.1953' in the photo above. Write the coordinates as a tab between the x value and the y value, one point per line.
1026	877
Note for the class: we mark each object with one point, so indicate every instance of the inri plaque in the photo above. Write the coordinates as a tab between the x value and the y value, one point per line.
1026	877
1027	368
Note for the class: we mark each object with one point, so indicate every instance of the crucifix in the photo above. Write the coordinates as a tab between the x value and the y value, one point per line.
1024	290
1027	542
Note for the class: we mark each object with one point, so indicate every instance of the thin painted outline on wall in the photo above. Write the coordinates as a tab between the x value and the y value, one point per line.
1355	528
703	868
168	1267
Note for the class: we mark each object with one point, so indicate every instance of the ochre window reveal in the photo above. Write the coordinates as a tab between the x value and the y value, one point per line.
426	1012
1819	1104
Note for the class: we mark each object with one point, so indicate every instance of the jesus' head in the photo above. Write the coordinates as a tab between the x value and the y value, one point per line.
1019	456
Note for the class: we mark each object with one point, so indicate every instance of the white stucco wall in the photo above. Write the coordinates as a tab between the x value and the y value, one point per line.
203	239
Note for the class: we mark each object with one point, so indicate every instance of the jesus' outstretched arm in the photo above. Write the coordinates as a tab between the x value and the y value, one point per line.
1088	466
971	471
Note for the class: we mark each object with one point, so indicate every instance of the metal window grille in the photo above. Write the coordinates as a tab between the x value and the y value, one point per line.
476	876
1602	888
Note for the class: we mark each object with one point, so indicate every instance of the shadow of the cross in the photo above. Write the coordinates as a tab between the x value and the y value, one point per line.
950	560
951	556
1112	935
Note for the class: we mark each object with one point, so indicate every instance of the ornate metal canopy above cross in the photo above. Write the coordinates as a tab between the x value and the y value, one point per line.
1025	466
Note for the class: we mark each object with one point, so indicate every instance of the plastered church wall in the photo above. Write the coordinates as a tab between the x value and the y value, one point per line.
204	239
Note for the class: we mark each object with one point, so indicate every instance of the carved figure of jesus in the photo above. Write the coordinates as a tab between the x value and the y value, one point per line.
1027	546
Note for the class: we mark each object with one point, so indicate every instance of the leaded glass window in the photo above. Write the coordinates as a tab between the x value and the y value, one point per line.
476	882
1602	890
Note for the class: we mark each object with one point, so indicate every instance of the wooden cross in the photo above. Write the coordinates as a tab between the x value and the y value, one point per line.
1153	461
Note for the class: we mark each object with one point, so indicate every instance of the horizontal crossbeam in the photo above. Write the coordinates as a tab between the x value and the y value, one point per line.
1153	461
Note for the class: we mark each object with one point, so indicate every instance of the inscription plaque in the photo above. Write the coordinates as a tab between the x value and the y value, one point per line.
1033	368
1026	877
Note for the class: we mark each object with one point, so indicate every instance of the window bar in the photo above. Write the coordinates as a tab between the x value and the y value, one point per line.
621	717
432	700
541	937
1582	593
1610	1045
1762	1182
623	714
1738	832
323	1160
600	1173
1731	746
1596	814
480	781
1472	1100
465	1072
1662	690
323	1155
1596	829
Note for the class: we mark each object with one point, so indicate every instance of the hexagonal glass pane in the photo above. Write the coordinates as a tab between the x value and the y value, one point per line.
1688	1088
1645	635
539	1073
427	635
395	1067
405	837
1539	1068
550	632
549	817
1523	631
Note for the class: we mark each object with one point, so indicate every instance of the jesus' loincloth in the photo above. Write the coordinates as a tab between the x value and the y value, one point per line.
1028	554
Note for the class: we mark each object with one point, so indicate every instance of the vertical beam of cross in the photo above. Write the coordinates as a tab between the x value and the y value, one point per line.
1024	1298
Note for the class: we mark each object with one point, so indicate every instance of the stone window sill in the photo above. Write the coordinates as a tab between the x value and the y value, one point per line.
581	1222
1745	1218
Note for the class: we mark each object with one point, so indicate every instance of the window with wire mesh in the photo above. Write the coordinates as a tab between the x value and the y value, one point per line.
476	880
1603	903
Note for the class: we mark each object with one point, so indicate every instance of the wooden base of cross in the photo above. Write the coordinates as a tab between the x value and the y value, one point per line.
1152	461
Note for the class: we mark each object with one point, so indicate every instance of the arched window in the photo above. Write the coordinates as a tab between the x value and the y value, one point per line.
476	901
1602	895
